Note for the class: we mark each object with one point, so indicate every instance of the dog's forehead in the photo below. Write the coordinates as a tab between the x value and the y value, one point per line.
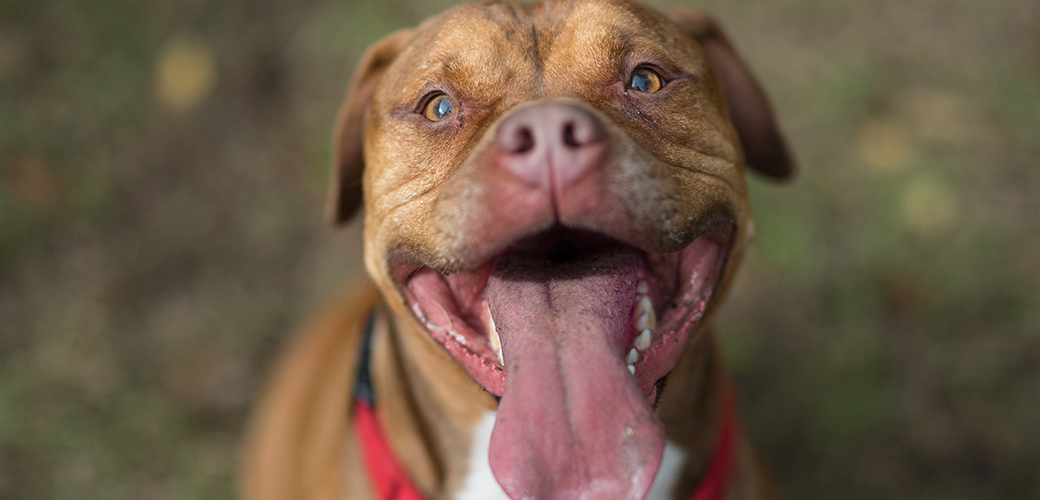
483	45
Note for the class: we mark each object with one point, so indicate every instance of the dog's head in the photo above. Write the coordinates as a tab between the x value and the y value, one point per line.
555	193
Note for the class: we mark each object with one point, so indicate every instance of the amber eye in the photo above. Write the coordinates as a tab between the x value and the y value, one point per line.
439	108
645	80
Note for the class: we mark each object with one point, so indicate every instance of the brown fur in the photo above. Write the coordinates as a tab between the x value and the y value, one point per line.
300	447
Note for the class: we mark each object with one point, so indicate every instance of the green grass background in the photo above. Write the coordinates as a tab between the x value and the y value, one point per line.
884	332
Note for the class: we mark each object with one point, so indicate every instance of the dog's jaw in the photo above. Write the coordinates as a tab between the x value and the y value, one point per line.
613	320
670	294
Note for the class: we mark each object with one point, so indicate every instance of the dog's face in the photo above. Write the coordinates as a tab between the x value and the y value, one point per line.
555	193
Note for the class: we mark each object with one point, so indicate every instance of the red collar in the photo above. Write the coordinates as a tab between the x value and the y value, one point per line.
392	483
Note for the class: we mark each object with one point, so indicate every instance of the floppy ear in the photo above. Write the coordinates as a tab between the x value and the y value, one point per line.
347	153
765	148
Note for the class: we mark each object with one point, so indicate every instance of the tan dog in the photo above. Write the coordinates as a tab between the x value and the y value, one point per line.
554	207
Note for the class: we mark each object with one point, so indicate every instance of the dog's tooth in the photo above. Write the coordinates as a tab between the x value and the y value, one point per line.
643	305
645	317
633	356
643	288
501	359
496	343
644	322
644	340
631	369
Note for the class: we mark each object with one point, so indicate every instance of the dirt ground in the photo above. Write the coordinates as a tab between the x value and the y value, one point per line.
162	171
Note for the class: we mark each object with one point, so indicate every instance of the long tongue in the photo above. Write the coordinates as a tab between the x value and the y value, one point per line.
572	422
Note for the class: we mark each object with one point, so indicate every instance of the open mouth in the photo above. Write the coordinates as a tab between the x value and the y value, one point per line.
659	298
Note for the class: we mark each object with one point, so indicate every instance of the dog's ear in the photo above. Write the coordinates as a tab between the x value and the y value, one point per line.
765	148
347	152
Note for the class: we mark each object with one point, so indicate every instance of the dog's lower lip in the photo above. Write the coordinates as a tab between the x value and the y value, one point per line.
453	309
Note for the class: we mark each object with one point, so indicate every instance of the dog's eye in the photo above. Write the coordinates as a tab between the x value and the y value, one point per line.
645	80
439	108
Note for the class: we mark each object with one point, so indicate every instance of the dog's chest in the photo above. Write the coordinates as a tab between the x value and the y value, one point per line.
481	485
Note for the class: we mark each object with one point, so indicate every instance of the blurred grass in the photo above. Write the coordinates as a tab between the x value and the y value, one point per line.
884	332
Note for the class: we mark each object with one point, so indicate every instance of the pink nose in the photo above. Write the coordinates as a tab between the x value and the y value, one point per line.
550	145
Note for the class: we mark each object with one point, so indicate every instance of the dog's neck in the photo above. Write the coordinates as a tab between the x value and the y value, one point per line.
431	406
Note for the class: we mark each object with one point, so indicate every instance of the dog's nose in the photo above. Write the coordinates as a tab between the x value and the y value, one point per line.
550	144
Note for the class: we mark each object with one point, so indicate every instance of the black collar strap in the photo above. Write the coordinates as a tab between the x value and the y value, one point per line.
363	387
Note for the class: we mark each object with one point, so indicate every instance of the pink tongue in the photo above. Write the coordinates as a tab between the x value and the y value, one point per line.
572	422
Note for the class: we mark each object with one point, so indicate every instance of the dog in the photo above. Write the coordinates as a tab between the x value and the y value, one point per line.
555	206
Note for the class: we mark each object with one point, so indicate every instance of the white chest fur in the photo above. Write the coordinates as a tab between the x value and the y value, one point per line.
481	485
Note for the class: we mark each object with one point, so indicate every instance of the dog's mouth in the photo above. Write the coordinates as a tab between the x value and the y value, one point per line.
666	296
574	331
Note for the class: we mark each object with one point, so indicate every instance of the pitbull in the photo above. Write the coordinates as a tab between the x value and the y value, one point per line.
555	206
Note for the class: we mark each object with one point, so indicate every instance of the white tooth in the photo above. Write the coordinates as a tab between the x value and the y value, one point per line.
496	343
644	305
500	358
645	314
643	322
633	356
631	369
643	288
644	339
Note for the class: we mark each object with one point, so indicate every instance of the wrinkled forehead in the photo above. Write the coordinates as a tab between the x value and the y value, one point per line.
488	44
